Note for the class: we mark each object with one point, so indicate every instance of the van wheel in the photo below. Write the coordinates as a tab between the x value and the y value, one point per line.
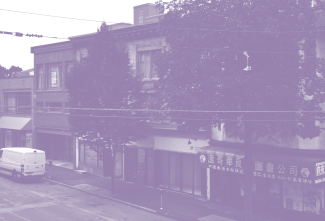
15	176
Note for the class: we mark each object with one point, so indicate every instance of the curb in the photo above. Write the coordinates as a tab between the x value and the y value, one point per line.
110	198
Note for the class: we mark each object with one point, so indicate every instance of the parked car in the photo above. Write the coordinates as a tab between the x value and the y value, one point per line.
22	162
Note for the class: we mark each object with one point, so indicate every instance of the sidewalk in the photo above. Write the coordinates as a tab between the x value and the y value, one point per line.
175	205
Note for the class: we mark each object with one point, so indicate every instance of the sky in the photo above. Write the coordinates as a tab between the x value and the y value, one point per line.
17	50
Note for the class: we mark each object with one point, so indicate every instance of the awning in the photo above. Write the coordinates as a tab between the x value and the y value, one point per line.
221	158
302	169
16	123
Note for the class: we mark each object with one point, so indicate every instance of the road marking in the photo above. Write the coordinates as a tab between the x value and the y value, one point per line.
38	194
28	206
19	216
89	212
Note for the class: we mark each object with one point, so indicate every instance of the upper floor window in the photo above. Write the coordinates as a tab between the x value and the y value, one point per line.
146	67
18	103
54	76
40	77
39	107
54	107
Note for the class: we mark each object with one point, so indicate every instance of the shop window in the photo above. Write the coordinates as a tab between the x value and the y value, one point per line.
165	169
175	170
146	66
141	161
197	176
18	103
90	156
119	165
54	77
149	168
81	152
54	107
40	77
187	174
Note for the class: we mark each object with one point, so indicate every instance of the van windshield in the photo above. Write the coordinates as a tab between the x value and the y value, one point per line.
35	158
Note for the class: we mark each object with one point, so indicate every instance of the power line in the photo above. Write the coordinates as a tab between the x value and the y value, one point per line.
153	110
193	29
19	34
55	16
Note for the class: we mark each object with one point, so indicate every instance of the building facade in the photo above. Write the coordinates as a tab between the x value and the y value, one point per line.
16	93
50	118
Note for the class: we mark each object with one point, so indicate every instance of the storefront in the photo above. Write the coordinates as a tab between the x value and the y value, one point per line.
16	131
56	146
283	182
91	159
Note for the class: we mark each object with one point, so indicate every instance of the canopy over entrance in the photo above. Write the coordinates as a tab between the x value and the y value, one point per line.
16	123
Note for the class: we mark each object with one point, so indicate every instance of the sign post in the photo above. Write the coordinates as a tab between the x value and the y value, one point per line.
161	196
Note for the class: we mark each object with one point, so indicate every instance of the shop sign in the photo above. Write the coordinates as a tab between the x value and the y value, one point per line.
320	169
282	172
227	163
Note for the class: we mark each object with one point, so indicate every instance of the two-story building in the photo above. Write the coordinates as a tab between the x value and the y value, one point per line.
50	122
16	94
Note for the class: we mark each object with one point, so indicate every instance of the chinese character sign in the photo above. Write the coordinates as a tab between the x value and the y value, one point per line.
259	165
320	169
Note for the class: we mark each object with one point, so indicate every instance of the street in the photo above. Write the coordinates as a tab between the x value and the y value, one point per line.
42	200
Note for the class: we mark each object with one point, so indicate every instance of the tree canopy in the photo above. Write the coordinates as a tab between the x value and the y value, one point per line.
104	79
235	55
4	72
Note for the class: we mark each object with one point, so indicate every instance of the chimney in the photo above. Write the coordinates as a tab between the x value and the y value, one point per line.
142	12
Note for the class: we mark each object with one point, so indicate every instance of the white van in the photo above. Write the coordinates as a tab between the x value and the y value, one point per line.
20	162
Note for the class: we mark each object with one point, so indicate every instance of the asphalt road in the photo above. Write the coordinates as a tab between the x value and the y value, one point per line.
45	201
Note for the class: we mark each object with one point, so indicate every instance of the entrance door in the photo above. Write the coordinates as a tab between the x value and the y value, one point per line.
226	189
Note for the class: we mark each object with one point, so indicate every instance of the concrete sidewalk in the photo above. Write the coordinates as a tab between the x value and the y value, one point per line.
175	205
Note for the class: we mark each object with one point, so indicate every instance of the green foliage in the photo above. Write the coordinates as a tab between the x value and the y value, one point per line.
105	80
4	72
202	67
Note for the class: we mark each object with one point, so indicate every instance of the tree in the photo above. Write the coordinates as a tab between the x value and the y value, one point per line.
242	55
105	80
4	72
14	69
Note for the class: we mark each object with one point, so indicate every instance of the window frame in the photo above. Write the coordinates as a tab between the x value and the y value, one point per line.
150	53
39	109
49	76
49	109
17	98
40	77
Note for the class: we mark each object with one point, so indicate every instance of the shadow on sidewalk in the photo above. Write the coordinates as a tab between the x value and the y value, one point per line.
179	206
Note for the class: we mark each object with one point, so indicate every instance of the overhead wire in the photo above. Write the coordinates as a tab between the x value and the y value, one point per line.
55	16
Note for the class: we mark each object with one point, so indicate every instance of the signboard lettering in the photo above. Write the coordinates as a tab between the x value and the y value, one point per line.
281	169
210	158
229	161
219	159
238	162
269	167
259	165
293	170
320	169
